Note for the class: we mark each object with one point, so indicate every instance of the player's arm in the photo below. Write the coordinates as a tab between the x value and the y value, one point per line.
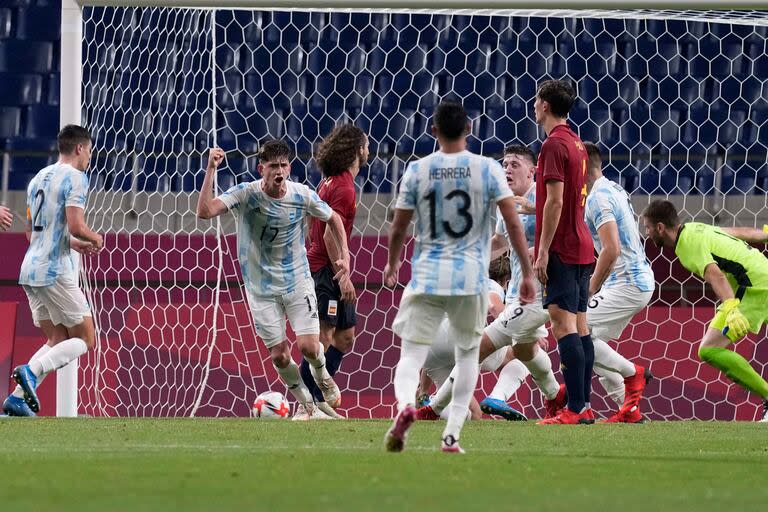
519	245
79	229
338	252
735	321
717	280
397	231
209	206
6	218
609	239
749	235
550	218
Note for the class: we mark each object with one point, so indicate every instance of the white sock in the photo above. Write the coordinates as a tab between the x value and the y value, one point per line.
18	392
613	384
511	378
292	379
541	371
442	397
606	357
317	365
58	356
412	357
464	383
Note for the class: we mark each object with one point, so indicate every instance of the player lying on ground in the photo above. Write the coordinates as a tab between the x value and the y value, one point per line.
441	358
340	156
737	273
56	199
271	214
451	193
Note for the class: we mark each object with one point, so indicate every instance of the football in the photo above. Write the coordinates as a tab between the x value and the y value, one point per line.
271	406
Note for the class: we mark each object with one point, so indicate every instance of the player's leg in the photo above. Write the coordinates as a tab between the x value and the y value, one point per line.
325	338
529	352
512	375
713	351
585	274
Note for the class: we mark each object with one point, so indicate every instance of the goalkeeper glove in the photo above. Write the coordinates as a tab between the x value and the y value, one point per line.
735	321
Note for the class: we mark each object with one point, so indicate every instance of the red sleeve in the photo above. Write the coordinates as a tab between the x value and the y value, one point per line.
552	160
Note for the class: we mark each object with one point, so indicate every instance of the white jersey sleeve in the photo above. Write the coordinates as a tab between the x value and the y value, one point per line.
234	196
78	191
406	197
318	208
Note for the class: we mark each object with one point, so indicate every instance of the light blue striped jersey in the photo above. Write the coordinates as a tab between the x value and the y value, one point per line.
607	202
529	227
495	288
271	234
452	195
48	194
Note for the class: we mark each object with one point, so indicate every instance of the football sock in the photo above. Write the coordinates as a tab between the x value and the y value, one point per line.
309	381
612	383
412	357
18	392
317	364
735	368
511	378
464	385
589	362
541	372
58	356
292	379
572	365
609	359
333	357
444	394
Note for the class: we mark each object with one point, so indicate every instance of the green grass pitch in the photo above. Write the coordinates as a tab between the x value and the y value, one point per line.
242	464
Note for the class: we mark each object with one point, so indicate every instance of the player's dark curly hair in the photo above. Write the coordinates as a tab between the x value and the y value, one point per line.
450	119
662	211
499	269
340	148
519	149
70	136
559	94
274	149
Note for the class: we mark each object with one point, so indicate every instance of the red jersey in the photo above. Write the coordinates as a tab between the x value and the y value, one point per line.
564	158
339	193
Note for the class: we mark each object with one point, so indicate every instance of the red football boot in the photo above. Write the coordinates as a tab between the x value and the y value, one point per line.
626	416
556	404
568	417
634	387
427	413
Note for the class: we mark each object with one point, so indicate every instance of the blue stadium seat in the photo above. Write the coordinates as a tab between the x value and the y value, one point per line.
42	121
10	122
6	23
54	91
30	56
20	89
39	23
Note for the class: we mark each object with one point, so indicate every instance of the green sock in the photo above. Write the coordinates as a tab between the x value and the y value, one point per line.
735	368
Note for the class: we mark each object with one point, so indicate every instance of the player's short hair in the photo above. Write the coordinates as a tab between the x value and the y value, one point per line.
339	149
70	136
559	94
274	149
662	211
450	119
519	149
499	269
595	158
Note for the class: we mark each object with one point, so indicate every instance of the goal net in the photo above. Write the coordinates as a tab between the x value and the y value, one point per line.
678	101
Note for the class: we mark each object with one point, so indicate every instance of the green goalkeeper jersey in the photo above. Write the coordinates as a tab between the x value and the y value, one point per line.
745	267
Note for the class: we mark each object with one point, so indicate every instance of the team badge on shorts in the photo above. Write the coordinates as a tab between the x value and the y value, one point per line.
332	307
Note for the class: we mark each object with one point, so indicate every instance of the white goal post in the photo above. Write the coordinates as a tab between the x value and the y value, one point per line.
679	112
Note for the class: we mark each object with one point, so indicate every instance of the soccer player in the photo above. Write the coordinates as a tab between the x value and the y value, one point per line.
520	325
621	285
737	273
340	156
451	192
6	218
271	214
56	199
564	253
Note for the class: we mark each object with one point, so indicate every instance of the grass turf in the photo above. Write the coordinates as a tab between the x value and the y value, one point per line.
233	464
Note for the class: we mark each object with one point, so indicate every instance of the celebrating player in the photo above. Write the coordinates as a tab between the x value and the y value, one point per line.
56	199
564	253
271	215
621	285
451	192
340	156
737	273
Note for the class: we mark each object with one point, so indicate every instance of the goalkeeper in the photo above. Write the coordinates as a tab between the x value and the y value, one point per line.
738	274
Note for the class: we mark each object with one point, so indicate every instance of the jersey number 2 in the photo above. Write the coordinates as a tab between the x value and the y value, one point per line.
463	211
40	199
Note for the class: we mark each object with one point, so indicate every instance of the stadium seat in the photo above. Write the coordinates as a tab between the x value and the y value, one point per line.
42	121
29	56
18	89
39	23
10	122
6	23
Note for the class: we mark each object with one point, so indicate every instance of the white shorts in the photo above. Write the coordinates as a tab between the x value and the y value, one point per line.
63	303
269	312
441	358
610	310
518	324
420	315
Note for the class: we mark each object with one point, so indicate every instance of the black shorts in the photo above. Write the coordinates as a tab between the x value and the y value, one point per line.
567	285
331	308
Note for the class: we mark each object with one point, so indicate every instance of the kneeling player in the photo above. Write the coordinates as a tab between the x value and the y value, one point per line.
737	273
